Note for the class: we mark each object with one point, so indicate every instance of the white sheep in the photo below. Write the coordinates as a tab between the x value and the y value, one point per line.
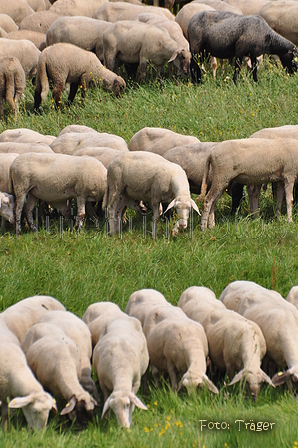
115	11
39	21
17	147
7	23
145	176
286	131
75	128
159	140
66	63
55	360
70	142
129	42
18	384
38	39
24	135
12	84
56	178
197	294
5	179
79	332
280	16
17	10
143	300
177	345
292	297
7	205
76	7
120	359
24	50
102	153
21	316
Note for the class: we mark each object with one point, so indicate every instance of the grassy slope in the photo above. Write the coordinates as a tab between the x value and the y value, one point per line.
81	269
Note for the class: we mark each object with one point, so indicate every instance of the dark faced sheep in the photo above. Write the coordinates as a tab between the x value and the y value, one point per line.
227	35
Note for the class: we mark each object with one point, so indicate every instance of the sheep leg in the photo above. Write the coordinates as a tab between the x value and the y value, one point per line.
238	62
18	211
57	90
289	185
195	71
72	92
254	68
173	374
4	415
81	203
28	209
143	67
1	108
253	192
155	209
280	196
115	212
83	85
10	87
208	208
155	375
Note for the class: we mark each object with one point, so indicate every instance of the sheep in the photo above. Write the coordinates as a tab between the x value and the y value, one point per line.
38	5
56	177
220	5
21	148
21	316
17	10
18	384
147	177
5	179
83	32
79	332
102	153
132	42
12	83
120	359
115	11
55	360
7	23
7	205
280	16
75	128
227	35
70	142
38	39
24	135
248	161
64	63
158	140
24	50
76	7
286	131
143	300
235	344
187	12
277	319
292	296
247	7
177	345
39	21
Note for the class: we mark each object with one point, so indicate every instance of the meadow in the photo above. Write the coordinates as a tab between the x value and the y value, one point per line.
79	269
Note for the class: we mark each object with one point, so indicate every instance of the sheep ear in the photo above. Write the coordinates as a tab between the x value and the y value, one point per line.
171	204
106	407
137	402
237	377
208	383
20	402
266	378
281	377
195	207
173	57
69	406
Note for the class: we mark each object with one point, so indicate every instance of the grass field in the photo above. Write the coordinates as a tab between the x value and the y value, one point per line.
79	269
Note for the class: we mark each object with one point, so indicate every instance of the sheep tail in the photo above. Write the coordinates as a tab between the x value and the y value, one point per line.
105	198
42	83
204	180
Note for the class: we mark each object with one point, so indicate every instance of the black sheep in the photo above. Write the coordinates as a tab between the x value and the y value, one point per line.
227	35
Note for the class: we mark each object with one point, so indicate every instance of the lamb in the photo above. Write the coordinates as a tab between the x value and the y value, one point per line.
237	160
79	332
18	383
56	178
132	42
64	63
147	177
24	135
227	35
24	50
38	39
54	358
7	205
143	300
12	83
159	140
70	142
16	10
177	345
115	11
83	32
277	319
120	359
21	316
280	16
235	344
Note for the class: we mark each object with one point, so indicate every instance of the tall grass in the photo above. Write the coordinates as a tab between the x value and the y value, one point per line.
79	269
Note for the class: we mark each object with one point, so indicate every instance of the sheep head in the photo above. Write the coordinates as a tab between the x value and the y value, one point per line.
123	405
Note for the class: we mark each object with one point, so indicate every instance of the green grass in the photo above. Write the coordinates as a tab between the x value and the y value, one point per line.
79	269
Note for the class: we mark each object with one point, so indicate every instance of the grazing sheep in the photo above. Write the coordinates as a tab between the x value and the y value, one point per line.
104	154
71	142
38	39
177	345
187	12
24	135
12	84
247	7
7	205
277	319
55	360
115	11
143	300
64	63
5	178
159	140
56	178
76	7
83	32
226	35
237	160
79	332
39	21
76	128
131	42
7	23
220	5
38	5
18	384
235	344
24	50
21	316
17	10
120	359
292	297
17	147
281	17
286	131
148	177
